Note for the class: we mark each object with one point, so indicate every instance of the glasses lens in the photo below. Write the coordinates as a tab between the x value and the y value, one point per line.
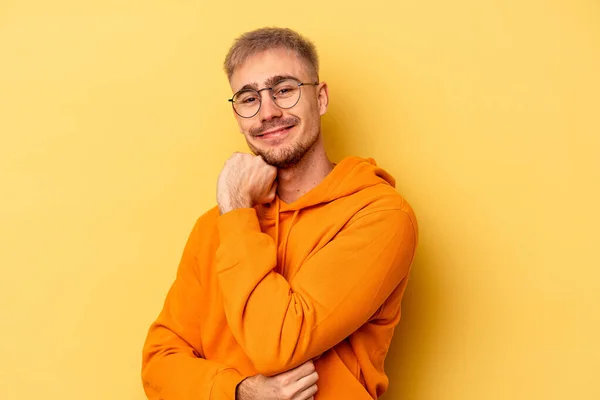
286	93
246	103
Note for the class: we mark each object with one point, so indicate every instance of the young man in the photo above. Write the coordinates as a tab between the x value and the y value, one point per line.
297	275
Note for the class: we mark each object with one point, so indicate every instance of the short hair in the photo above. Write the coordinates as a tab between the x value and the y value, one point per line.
259	40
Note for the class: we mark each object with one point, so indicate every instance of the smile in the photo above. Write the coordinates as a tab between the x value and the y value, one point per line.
275	133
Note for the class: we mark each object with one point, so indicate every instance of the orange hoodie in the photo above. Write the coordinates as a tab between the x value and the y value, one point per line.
264	289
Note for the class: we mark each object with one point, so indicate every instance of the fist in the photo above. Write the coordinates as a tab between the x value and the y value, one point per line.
244	182
299	383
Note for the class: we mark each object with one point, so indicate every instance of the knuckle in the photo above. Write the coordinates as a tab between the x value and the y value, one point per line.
286	394
283	381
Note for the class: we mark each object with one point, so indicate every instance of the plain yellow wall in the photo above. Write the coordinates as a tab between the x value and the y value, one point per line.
114	125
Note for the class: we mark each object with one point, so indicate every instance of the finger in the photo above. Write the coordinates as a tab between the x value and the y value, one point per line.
273	191
306	394
268	197
260	160
300	371
306	382
273	172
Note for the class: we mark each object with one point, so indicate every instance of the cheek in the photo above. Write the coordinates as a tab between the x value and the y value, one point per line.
311	113
307	111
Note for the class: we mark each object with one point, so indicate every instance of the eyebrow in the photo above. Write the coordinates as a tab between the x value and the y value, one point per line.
268	83
278	78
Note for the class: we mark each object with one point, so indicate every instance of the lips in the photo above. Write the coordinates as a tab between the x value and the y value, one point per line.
275	132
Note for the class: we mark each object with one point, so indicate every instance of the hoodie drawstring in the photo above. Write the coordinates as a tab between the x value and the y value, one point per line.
287	235
285	242
277	222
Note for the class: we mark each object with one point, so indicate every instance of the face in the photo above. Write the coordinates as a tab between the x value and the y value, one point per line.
283	137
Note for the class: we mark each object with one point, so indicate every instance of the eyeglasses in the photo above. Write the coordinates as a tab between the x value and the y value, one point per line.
285	94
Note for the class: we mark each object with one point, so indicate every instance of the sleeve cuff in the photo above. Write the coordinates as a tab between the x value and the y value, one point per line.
225	383
237	221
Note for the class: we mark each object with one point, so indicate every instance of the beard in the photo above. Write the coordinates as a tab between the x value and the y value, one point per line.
289	155
283	157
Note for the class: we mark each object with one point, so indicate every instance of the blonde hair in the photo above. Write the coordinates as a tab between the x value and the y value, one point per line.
259	40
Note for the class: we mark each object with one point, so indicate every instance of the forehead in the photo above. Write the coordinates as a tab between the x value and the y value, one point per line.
258	68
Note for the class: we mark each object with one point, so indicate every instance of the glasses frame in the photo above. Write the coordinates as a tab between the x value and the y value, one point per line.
273	98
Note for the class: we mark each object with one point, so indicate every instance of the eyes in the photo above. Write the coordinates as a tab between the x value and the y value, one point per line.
281	90
249	99
285	94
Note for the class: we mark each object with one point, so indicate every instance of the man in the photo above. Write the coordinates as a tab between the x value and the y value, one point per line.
297	275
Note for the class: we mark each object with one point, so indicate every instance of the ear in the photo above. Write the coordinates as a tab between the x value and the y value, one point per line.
323	97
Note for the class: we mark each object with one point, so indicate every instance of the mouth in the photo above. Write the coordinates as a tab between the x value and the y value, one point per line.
275	133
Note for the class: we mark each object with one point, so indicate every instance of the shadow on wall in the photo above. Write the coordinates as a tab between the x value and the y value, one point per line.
414	346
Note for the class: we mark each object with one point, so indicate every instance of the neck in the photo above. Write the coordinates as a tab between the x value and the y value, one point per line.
294	182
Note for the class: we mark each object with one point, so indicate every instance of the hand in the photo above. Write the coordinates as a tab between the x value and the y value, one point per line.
299	383
245	181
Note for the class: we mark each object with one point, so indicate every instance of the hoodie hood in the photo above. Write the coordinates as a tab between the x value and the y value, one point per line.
349	176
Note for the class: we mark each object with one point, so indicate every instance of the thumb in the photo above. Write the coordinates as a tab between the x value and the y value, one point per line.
272	192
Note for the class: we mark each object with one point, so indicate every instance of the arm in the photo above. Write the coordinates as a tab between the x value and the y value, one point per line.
281	324
173	366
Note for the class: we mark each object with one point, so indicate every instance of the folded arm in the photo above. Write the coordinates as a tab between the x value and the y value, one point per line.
282	324
173	366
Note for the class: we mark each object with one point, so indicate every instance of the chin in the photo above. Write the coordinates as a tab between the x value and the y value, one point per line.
283	154
284	157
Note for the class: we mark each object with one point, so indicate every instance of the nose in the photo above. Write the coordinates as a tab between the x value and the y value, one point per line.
268	108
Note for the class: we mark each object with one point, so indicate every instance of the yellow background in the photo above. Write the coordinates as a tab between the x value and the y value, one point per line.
114	125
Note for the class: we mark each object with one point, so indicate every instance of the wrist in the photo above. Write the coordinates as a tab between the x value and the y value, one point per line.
230	203
242	390
238	391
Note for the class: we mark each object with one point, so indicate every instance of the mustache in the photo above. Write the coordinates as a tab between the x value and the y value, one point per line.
269	125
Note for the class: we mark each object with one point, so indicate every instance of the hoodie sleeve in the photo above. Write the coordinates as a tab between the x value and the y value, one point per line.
282	324
173	367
